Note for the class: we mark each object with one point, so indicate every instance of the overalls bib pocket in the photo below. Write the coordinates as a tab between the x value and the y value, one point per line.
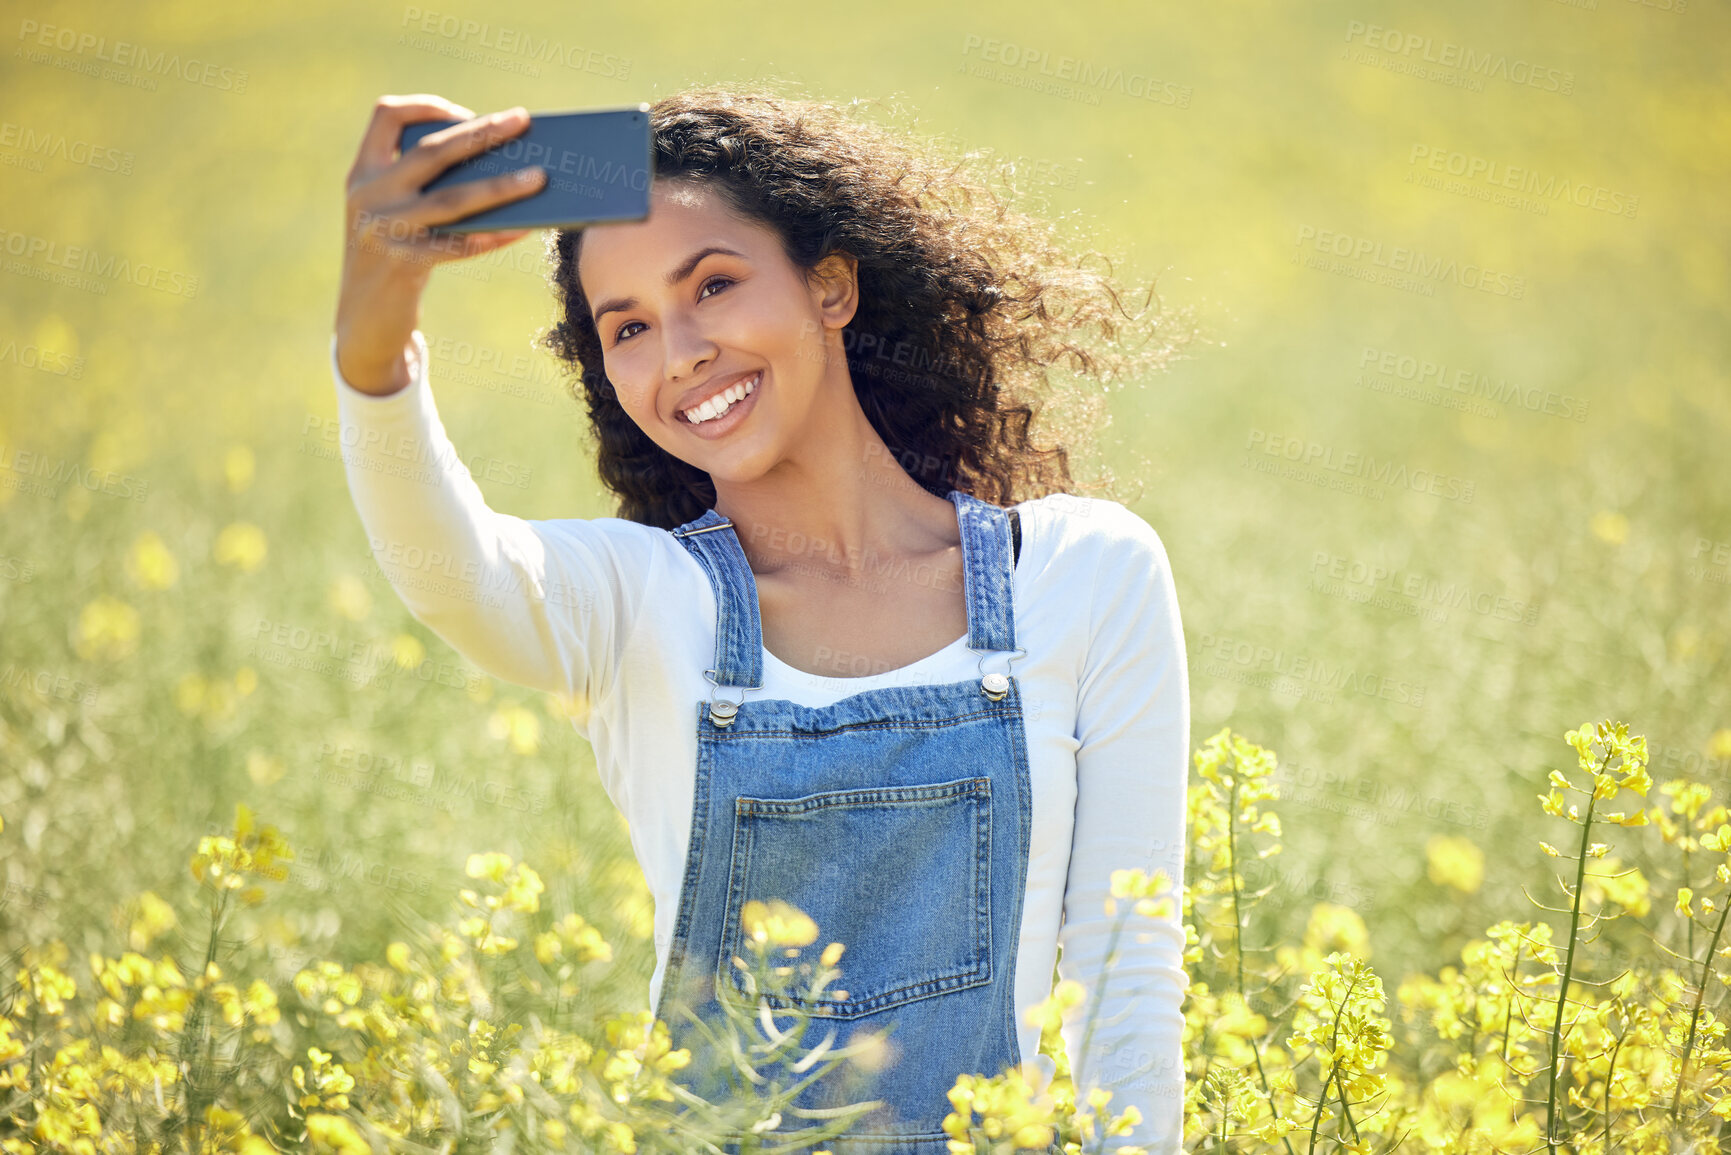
867	865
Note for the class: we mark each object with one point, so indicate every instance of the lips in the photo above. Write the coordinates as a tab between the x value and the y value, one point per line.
717	403
735	415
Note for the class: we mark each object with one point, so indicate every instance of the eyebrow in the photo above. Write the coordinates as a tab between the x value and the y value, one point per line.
685	269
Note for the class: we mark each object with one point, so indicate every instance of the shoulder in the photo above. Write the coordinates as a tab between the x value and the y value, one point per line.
1085	533
632	550
609	532
1103	564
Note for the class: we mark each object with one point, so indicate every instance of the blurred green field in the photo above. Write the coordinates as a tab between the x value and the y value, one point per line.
1508	404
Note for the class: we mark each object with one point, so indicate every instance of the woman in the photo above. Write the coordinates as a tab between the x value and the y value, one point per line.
817	657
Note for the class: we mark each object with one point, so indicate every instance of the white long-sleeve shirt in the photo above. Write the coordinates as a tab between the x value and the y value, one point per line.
619	618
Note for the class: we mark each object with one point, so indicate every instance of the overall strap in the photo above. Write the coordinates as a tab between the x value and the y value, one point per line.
988	560
738	633
987	565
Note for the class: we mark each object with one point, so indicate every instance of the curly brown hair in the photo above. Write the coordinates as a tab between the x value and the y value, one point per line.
978	300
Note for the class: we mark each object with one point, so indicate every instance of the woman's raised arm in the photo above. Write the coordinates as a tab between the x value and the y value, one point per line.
537	603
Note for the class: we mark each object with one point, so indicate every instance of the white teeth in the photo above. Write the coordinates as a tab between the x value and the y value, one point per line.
720	403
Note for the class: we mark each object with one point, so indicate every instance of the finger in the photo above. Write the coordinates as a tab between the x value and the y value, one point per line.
477	243
457	201
438	151
379	143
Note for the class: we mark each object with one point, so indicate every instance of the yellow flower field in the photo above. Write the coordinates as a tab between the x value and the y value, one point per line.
1445	474
455	1040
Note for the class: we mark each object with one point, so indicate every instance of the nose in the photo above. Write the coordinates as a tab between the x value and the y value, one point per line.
685	347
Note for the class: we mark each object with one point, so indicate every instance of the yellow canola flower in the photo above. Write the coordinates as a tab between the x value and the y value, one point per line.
1627	888
1152	892
242	545
491	865
189	693
1333	927
1139	883
335	1134
523	892
107	629
264	769
1238	1019
1610	528
1455	862
350	598
237	468
777	923
154	918
1049	1013
149	563
517	725
407	652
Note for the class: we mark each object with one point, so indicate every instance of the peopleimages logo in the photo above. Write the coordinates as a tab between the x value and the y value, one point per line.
1283	671
1474	169
513	43
1396	588
1400	259
1352	463
126	54
42	143
1473	64
1087	76
1439	375
35	251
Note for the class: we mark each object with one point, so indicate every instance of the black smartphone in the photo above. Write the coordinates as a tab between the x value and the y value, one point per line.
598	162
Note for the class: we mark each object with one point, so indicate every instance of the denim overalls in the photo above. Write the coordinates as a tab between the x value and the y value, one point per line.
898	818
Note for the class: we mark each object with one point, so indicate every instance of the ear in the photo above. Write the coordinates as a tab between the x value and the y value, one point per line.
835	288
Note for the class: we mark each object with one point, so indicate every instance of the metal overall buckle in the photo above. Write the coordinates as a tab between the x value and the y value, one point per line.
995	685
722	711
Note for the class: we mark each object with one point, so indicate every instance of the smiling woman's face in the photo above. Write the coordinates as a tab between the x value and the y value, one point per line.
697	301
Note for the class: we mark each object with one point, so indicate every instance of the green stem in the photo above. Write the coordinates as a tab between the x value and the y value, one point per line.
1100	994
1316	1119
1569	959
195	1039
1700	996
1509	1014
1691	922
1610	1072
1333	1067
1238	931
1346	1107
1232	876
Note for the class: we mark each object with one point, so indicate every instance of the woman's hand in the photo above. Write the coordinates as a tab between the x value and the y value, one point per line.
390	249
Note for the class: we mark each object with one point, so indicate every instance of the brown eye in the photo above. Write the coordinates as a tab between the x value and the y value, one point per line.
621	335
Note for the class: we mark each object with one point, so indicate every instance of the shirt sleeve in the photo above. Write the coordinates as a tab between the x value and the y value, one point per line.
1133	725
536	603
